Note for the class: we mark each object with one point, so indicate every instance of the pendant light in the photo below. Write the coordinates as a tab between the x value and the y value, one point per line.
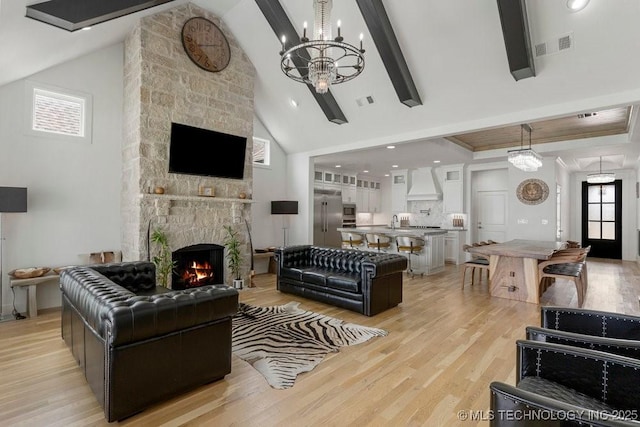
525	159
601	177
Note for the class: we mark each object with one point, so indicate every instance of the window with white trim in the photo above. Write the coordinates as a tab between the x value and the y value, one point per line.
261	152
58	113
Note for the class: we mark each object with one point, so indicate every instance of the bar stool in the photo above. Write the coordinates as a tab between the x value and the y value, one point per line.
411	246
378	241
352	240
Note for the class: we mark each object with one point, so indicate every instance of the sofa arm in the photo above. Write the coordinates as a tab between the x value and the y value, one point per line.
629	348
383	265
140	317
513	407
292	256
591	322
611	378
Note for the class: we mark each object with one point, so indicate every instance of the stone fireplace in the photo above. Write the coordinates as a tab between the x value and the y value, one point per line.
162	86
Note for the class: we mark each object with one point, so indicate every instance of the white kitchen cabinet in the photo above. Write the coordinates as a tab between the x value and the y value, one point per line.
362	200
453	252
434	253
374	199
453	189
348	188
399	188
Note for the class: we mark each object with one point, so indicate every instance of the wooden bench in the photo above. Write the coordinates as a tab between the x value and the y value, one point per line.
31	285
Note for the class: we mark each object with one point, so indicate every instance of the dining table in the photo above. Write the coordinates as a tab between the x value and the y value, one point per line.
513	267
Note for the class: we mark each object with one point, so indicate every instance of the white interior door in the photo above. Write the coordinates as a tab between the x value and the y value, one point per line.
491	216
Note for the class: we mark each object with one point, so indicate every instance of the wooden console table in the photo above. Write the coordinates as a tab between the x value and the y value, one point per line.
272	261
513	267
31	284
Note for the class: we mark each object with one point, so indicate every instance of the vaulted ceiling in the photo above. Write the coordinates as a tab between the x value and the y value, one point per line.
454	51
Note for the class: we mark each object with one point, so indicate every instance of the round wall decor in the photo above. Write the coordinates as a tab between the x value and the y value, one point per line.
532	191
205	44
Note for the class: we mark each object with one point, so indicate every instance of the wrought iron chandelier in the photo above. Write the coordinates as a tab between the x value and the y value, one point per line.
525	159
322	60
601	177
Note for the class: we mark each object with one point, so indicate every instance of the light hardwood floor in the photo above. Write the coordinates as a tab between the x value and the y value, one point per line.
445	345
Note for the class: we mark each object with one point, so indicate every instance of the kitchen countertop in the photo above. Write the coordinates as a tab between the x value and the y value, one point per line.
399	231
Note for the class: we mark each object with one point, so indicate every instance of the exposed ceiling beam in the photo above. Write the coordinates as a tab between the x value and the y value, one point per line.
375	16
72	15
515	29
281	25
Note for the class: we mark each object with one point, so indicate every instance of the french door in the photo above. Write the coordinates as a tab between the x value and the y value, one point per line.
602	219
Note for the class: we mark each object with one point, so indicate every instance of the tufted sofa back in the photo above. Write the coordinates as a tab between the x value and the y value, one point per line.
345	260
134	276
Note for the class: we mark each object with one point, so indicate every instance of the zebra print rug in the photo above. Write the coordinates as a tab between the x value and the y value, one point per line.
284	341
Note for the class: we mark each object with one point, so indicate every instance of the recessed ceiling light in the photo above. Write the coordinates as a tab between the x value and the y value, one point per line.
365	171
436	161
391	147
338	166
86	28
577	5
293	103
394	166
386	174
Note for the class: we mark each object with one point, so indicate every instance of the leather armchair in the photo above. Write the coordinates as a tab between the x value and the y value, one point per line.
560	385
591	322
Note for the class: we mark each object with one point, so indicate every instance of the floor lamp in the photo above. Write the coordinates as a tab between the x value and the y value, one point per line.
284	207
12	199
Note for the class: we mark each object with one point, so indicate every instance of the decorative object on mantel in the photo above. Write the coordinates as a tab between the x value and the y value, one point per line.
601	177
234	256
525	159
163	261
12	199
242	196
28	273
204	190
205	44
532	191
158	190
321	69
284	341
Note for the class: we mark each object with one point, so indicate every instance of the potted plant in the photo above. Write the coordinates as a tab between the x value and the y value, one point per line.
234	256
163	261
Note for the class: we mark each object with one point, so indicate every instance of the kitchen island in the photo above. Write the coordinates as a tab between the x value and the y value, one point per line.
429	261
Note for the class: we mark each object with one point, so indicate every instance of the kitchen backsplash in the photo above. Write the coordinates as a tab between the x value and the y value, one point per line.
429	213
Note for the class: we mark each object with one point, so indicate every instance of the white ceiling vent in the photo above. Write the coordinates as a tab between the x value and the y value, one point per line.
555	45
365	100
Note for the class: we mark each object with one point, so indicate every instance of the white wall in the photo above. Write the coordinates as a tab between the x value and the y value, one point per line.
269	183
300	187
73	188
528	221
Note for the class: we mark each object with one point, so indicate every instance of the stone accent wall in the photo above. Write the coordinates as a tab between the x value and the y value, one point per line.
162	85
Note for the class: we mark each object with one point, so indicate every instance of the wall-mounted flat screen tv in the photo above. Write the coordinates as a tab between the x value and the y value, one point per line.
196	151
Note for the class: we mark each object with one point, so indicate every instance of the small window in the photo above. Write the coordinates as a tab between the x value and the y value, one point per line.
58	113
261	152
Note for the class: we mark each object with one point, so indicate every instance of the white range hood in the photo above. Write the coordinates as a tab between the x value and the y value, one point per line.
424	186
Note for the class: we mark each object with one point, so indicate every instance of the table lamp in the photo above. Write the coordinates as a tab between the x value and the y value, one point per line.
284	207
12	199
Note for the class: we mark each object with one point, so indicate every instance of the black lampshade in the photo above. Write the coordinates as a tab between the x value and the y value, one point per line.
284	207
13	199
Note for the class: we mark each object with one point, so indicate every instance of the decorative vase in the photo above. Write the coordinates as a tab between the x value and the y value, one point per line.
238	283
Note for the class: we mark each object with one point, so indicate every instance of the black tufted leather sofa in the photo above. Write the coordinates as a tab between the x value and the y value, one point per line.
366	282
139	344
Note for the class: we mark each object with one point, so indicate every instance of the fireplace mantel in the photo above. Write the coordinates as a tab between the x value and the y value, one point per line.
195	198
163	203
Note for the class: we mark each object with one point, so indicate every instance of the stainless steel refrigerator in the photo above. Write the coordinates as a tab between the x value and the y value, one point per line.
327	218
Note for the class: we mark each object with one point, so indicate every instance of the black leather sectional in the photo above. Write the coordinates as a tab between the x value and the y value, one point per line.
139	344
366	282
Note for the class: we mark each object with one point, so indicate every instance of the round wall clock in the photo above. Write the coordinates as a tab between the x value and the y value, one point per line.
205	44
532	191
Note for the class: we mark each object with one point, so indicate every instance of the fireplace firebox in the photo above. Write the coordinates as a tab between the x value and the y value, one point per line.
198	265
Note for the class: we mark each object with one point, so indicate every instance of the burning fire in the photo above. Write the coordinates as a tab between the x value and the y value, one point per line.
197	272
